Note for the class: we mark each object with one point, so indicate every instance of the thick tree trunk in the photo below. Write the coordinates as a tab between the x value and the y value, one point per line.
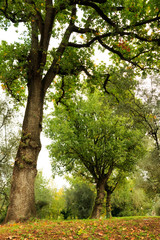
108	205
96	212
22	200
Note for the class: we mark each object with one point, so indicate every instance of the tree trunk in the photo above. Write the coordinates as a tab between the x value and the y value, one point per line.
96	212
22	200
108	205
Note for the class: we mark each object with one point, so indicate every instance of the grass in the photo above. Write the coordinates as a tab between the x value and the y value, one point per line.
147	228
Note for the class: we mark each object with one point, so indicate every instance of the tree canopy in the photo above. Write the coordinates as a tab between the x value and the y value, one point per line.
91	129
128	30
90	136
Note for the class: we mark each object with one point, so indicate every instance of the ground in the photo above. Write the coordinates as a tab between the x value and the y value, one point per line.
147	228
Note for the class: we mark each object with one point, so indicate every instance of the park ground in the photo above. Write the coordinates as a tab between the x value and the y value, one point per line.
147	228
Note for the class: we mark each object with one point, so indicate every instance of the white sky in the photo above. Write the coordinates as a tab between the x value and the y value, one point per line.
43	159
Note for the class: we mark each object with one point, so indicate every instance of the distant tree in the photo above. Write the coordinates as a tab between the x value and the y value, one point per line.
146	113
49	200
156	207
145	110
110	186
43	195
8	146
92	138
130	200
150	173
79	200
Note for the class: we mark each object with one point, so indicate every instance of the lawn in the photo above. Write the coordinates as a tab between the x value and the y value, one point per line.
113	229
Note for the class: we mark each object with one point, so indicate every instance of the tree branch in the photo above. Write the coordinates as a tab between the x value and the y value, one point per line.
144	22
111	49
63	92
47	26
135	35
105	89
55	66
97	9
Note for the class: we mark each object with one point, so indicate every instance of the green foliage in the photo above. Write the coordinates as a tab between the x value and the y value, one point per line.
13	69
4	196
147	114
49	201
129	200
147	177
94	139
8	146
156	207
128	30
92	134
152	166
96	136
79	199
43	196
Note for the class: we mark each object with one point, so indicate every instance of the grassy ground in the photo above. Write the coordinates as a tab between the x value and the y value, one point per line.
113	229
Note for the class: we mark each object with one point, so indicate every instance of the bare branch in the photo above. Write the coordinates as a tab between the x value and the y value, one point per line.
144	22
122	32
111	49
63	91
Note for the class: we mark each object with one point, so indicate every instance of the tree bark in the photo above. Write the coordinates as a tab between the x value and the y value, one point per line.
22	200
96	212
108	205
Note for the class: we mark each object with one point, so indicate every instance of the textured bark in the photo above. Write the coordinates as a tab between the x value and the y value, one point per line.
22	200
96	213
108	205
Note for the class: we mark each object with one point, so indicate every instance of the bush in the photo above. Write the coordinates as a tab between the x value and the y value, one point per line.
79	201
130	201
49	201
156	207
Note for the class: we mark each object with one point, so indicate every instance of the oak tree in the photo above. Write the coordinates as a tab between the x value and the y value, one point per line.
127	29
